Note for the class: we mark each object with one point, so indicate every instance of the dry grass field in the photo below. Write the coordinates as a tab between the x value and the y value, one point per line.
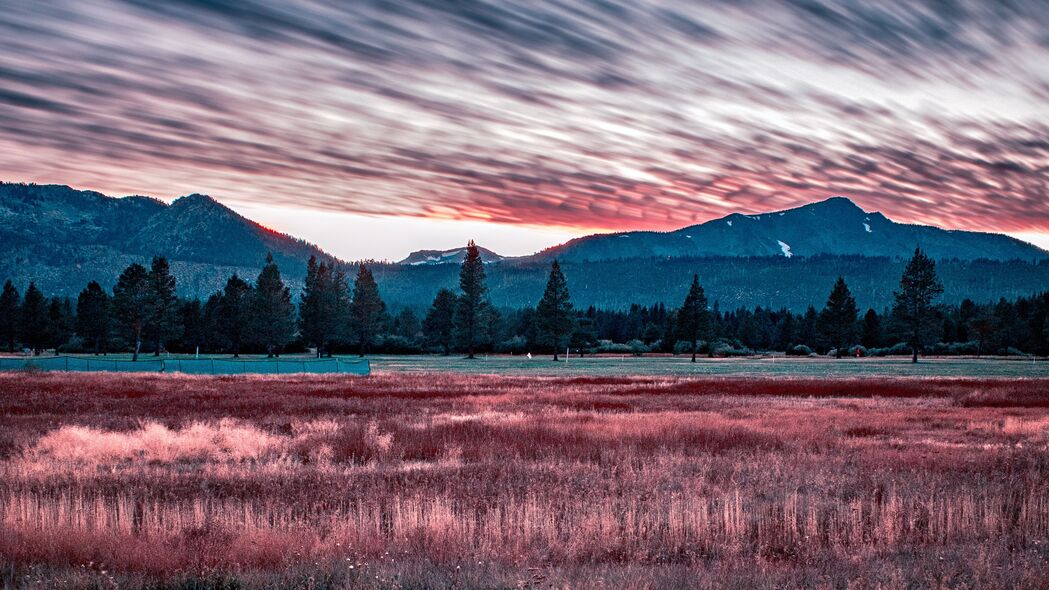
426	480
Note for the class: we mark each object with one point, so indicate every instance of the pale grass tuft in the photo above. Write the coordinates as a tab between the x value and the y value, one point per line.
224	441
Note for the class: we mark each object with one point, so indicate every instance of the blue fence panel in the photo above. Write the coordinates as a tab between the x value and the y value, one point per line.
189	366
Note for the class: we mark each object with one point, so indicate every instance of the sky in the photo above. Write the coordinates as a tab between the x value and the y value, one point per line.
378	127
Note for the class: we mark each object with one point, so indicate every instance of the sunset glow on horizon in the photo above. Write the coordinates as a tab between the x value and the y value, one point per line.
379	128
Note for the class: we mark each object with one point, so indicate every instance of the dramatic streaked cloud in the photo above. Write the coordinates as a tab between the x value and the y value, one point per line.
588	114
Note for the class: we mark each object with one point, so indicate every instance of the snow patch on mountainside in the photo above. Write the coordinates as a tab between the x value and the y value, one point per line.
786	248
867	227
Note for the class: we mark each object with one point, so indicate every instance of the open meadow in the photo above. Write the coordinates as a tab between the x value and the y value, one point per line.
424	479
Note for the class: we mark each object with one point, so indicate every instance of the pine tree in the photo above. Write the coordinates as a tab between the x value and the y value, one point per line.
439	325
554	317
807	328
34	326
584	333
234	312
693	319
162	320
785	331
194	331
470	311
132	298
919	287
837	321
310	324
93	316
214	336
10	308
871	337
324	310
367	311
60	322
271	314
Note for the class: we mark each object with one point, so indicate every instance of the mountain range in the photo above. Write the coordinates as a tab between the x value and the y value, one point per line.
62	238
834	226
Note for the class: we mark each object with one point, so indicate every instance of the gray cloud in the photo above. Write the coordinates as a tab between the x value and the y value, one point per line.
587	113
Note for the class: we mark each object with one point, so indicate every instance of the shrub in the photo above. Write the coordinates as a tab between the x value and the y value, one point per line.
637	347
613	347
75	344
858	350
799	350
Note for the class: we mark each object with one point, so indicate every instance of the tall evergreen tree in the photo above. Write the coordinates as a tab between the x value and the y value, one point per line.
234	312
34	326
367	311
194	332
439	325
310	322
470	311
214	335
272	314
10	308
584	332
837	321
693	319
807	328
162	321
785	331
325	305
871	336
554	316
60	322
132	298
913	308
93	317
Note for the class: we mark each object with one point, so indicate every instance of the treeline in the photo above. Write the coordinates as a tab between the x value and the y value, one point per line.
334	314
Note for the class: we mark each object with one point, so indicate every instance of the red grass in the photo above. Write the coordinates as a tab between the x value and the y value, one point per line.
831	480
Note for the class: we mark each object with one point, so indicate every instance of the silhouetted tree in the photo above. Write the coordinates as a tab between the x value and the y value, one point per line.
837	321
439	325
367	311
194	331
10	309
553	315
93	316
162	321
34	325
131	303
271	314
211	313
871	335
470	311
584	332
59	322
693	319
324	309
234	312
919	287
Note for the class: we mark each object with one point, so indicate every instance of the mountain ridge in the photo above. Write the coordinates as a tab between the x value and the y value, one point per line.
833	226
63	238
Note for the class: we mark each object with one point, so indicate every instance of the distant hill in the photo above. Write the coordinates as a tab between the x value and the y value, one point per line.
62	238
454	256
835	226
